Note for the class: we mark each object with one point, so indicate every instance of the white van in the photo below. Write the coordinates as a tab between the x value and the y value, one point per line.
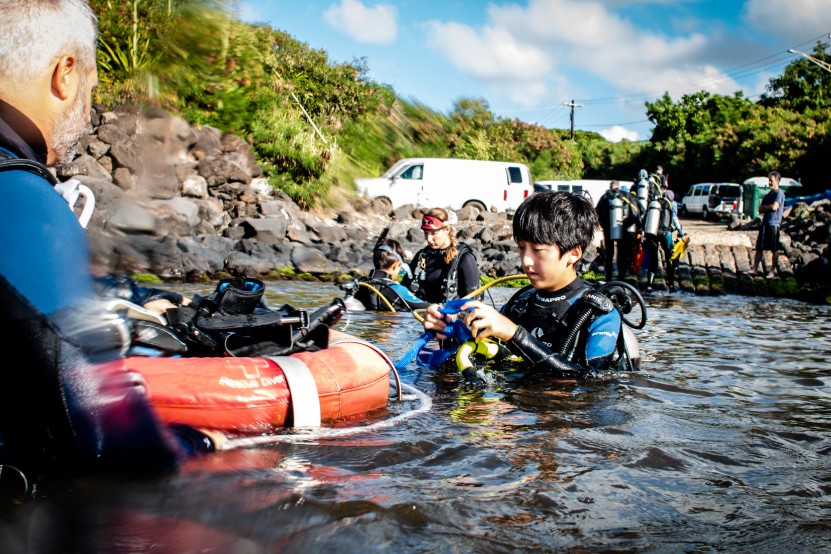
591	188
451	183
712	200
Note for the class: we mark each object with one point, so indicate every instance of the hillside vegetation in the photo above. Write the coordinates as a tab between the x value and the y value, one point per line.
315	124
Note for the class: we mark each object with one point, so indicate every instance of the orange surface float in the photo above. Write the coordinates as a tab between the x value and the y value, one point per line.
257	395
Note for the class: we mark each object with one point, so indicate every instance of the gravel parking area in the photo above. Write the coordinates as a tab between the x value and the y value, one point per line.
716	233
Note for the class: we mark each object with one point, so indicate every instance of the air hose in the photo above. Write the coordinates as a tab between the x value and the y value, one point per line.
379	293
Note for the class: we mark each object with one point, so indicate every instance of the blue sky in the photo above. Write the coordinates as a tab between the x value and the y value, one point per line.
527	58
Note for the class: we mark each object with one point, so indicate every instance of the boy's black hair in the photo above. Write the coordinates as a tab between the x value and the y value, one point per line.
556	217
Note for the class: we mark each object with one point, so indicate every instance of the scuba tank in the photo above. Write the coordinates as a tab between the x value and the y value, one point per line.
653	218
616	218
628	210
643	194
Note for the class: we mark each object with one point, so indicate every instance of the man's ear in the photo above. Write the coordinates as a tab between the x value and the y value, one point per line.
63	77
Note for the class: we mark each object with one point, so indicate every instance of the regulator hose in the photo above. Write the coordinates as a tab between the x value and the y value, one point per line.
623	303
379	293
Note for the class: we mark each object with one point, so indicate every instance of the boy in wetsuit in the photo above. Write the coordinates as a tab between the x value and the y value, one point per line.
388	259
552	230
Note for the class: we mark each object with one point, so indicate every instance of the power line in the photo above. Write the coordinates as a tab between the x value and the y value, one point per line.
737	73
742	71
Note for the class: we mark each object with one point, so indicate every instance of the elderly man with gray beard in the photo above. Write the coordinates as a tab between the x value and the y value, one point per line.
65	407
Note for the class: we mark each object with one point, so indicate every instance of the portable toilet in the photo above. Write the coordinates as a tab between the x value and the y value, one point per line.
755	188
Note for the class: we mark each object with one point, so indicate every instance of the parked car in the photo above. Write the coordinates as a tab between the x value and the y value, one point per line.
451	183
591	188
712	200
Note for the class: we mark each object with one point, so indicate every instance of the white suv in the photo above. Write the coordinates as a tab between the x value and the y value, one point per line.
712	199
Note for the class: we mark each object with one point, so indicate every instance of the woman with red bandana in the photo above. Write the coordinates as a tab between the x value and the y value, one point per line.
445	269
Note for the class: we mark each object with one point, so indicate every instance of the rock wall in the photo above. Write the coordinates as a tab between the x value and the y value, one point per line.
188	203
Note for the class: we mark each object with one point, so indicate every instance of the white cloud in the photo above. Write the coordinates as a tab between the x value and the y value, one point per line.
493	57
524	52
615	50
376	25
250	12
617	133
799	20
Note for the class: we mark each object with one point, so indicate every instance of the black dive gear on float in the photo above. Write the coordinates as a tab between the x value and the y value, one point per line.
123	287
234	321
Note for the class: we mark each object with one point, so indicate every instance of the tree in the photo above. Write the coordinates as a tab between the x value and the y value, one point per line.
803	86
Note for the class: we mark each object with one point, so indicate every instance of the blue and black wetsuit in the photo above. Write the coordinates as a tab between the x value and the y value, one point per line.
61	410
570	332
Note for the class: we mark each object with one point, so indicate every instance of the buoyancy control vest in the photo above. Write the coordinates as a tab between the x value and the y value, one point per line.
380	281
450	286
574	324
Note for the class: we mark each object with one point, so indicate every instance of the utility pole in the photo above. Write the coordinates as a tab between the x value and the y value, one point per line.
572	105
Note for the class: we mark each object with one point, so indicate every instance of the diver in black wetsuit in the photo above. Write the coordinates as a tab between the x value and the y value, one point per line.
388	259
445	269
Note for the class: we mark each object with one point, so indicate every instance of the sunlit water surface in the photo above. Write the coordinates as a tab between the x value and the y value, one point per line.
720	443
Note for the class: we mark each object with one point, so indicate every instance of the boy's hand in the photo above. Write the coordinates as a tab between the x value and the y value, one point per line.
485	321
435	321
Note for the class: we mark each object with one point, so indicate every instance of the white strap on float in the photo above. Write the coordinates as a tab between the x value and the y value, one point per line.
305	400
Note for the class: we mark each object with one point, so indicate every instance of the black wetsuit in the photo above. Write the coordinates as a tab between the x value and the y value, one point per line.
430	275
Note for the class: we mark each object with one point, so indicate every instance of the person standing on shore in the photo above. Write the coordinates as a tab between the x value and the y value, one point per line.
772	209
618	212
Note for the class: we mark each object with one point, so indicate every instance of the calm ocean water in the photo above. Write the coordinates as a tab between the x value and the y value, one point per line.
720	443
